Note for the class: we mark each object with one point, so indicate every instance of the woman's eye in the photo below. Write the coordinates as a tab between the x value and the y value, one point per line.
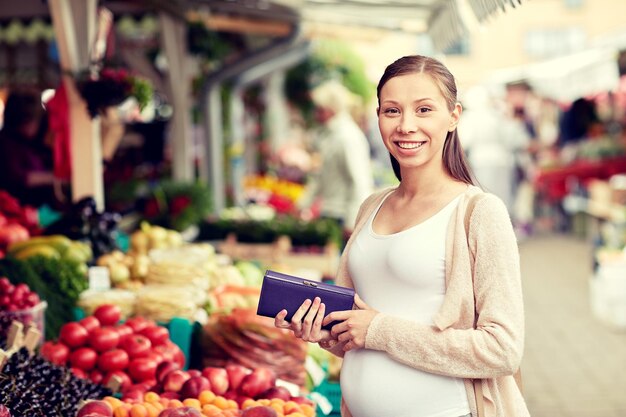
391	111
423	110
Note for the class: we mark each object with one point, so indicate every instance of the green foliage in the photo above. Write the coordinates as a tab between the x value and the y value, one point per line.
208	44
316	232
178	205
142	90
329	60
59	282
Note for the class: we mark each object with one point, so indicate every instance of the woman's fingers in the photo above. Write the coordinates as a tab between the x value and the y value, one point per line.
309	319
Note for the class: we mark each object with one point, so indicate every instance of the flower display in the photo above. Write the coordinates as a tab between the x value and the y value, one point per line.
111	87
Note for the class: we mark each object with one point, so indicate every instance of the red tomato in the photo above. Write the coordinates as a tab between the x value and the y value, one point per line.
158	335
142	369
78	373
122	378
12	233
113	360
57	353
154	355
136	345
89	323
96	376
108	314
104	338
171	352
83	358
73	334
139	323
123	330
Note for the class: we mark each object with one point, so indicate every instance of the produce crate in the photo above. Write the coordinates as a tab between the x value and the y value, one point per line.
34	316
281	251
332	391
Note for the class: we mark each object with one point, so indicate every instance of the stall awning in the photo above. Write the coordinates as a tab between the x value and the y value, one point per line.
568	77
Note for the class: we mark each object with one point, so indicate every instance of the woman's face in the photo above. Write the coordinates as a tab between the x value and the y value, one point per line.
414	120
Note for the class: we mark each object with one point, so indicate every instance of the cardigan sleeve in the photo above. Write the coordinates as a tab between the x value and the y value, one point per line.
495	347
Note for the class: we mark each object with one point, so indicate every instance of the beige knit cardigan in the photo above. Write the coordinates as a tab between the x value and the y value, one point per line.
452	346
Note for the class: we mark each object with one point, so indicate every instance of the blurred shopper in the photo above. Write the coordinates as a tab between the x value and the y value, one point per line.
345	176
438	323
492	141
579	122
25	156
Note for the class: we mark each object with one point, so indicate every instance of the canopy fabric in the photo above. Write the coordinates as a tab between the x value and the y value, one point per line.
444	20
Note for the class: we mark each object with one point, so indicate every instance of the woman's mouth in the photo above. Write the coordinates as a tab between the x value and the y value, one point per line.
409	145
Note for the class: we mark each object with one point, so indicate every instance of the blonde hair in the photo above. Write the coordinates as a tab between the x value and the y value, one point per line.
334	96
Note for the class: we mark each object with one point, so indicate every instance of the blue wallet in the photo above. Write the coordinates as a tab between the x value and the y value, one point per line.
281	291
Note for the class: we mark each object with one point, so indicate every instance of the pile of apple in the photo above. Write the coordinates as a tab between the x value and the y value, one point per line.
102	349
234	382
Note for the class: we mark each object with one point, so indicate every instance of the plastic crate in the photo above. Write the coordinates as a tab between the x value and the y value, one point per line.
332	391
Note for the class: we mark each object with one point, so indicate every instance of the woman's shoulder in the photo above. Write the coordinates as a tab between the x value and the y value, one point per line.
486	205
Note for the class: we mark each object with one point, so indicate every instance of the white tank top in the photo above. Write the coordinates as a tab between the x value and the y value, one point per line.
400	274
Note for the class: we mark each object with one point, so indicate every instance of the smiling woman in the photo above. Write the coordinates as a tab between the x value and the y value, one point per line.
438	323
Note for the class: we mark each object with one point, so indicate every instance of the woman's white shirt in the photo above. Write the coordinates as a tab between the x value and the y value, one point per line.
401	274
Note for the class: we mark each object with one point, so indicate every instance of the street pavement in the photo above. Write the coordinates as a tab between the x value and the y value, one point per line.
574	365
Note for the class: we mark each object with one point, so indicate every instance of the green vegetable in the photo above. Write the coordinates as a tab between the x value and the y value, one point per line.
59	282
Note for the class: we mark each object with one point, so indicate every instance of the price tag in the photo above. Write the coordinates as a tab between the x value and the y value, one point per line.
99	279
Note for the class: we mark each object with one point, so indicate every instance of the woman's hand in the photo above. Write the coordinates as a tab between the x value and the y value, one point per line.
306	323
353	325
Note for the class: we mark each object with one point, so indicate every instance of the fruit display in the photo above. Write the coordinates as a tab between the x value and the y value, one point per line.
241	337
32	386
149	237
59	282
54	246
100	348
18	302
212	391
17	222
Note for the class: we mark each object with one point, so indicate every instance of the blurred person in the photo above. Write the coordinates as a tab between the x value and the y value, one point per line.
492	141
345	176
580	121
438	323
25	156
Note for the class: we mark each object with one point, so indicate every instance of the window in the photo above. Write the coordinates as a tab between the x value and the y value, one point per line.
545	43
460	47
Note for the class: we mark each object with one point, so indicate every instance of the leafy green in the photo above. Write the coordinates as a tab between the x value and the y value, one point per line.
59	282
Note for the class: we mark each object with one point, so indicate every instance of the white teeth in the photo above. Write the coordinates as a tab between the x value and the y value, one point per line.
410	145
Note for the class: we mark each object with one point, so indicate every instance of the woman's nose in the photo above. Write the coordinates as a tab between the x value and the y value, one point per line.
407	124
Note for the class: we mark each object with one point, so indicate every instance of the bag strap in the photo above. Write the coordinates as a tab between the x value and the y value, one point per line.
477	383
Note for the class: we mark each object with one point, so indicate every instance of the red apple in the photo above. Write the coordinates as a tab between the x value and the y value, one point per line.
164	368
170	395
259	380
194	386
218	377
259	411
95	408
180	412
194	372
276	392
174	380
134	393
236	373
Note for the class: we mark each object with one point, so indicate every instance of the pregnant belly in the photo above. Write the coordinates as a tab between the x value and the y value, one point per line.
374	385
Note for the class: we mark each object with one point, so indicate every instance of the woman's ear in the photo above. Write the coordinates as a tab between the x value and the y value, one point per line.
455	116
